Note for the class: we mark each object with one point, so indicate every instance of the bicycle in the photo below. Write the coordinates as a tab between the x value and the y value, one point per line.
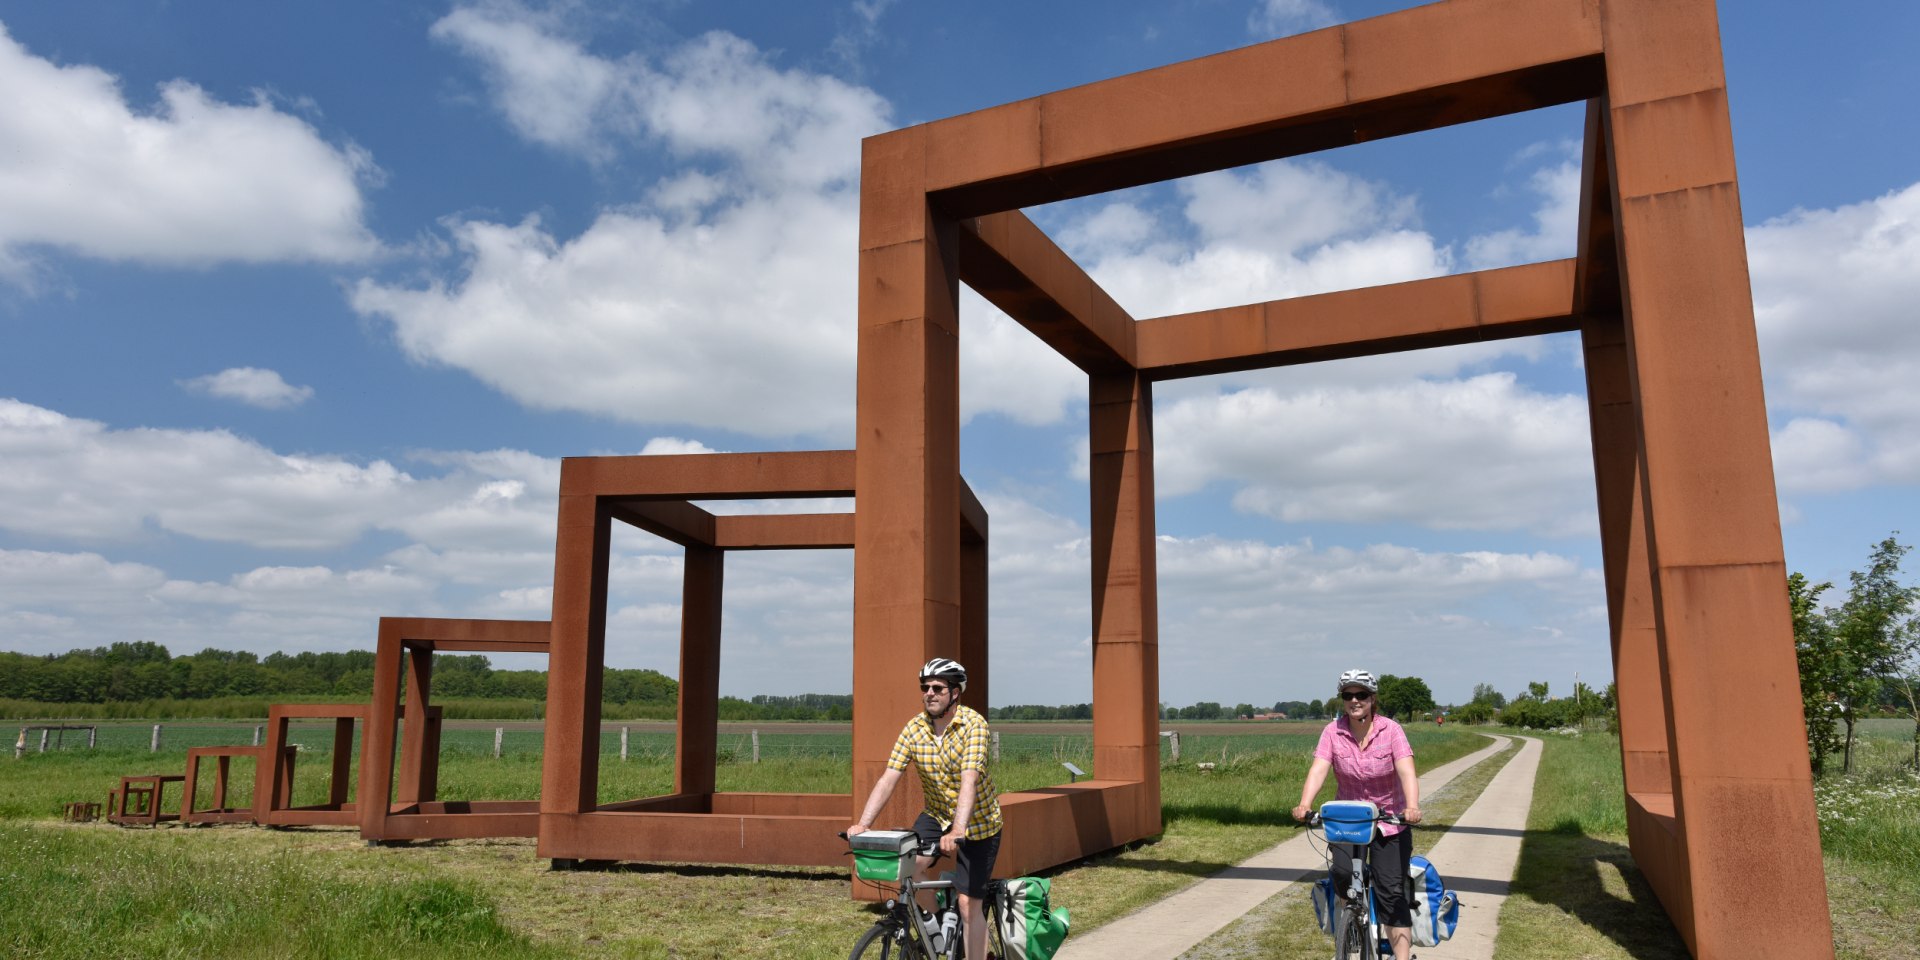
907	929
1356	935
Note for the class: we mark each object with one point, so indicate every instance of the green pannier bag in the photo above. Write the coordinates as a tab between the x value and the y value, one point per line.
1031	928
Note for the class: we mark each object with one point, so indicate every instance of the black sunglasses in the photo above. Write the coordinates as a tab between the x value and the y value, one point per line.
934	688
1355	694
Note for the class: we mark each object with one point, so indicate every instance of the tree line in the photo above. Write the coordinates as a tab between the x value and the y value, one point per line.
144	671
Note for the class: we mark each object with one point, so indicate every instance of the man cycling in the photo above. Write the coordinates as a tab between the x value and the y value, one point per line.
948	745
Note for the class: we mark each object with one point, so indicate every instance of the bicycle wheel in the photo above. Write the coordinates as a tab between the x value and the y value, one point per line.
1350	940
879	943
996	947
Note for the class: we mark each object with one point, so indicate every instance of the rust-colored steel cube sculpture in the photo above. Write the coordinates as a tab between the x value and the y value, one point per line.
219	811
655	493
141	800
413	810
273	773
1659	292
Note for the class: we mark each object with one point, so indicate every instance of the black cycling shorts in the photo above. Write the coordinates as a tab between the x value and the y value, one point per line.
973	859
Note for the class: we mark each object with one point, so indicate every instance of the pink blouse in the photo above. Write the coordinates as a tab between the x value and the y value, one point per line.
1367	774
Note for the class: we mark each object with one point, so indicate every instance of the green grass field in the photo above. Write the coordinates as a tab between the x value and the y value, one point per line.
91	890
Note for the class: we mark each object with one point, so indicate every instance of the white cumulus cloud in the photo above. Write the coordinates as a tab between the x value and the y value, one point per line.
1279	18
190	181
1834	294
252	386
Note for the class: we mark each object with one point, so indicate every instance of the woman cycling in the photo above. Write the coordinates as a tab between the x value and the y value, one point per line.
1372	761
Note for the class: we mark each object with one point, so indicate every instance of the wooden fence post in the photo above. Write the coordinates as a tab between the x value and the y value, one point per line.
499	733
623	744
155	748
756	746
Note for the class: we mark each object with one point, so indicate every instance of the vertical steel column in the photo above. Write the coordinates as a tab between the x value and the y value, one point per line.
570	764
1743	804
906	583
1126	645
696	737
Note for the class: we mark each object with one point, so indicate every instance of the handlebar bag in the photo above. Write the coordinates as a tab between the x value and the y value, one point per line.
1348	821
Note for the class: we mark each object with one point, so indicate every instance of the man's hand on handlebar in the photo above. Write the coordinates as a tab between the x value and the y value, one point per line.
950	841
856	829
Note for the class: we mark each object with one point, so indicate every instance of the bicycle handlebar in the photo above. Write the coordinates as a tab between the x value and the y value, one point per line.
1315	819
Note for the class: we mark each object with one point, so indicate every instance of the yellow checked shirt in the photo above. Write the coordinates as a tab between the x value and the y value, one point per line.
964	747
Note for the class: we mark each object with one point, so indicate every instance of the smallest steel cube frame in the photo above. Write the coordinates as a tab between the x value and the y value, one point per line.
219	812
273	774
151	790
414	812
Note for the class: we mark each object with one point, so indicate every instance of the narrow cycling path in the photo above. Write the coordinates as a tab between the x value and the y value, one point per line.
1169	928
1477	857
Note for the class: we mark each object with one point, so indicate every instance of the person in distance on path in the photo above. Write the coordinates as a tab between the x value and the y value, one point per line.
1372	761
948	745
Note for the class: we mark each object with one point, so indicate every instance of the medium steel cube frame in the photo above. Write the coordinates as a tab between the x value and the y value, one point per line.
696	823
219	811
273	776
414	812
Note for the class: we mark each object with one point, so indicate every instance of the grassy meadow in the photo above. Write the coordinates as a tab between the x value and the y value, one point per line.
248	892
244	892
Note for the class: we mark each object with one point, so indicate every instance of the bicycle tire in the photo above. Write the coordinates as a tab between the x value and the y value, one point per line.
878	943
1350	940
996	947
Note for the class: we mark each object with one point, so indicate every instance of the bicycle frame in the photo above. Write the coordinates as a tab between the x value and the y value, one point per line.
1360	881
904	914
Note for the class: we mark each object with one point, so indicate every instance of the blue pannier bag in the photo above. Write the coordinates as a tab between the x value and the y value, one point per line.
1323	903
1436	910
1348	821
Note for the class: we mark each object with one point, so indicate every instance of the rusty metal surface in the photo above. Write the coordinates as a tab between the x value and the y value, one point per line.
657	494
273	772
1659	290
405	646
141	800
218	811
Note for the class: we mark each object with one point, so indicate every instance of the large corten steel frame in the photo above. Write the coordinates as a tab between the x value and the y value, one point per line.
1659	291
654	493
414	811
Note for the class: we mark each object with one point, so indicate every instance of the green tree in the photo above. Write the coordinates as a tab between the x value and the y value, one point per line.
1870	630
1485	693
1244	710
1402	697
1537	689
1819	661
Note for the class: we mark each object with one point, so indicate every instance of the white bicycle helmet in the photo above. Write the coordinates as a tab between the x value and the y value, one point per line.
941	668
1359	678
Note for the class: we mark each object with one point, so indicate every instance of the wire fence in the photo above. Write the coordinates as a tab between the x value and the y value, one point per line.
618	740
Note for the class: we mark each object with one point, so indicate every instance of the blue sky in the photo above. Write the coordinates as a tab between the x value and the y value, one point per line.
301	305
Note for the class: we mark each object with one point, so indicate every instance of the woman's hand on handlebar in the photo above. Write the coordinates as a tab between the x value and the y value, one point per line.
856	829
1303	813
1410	815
